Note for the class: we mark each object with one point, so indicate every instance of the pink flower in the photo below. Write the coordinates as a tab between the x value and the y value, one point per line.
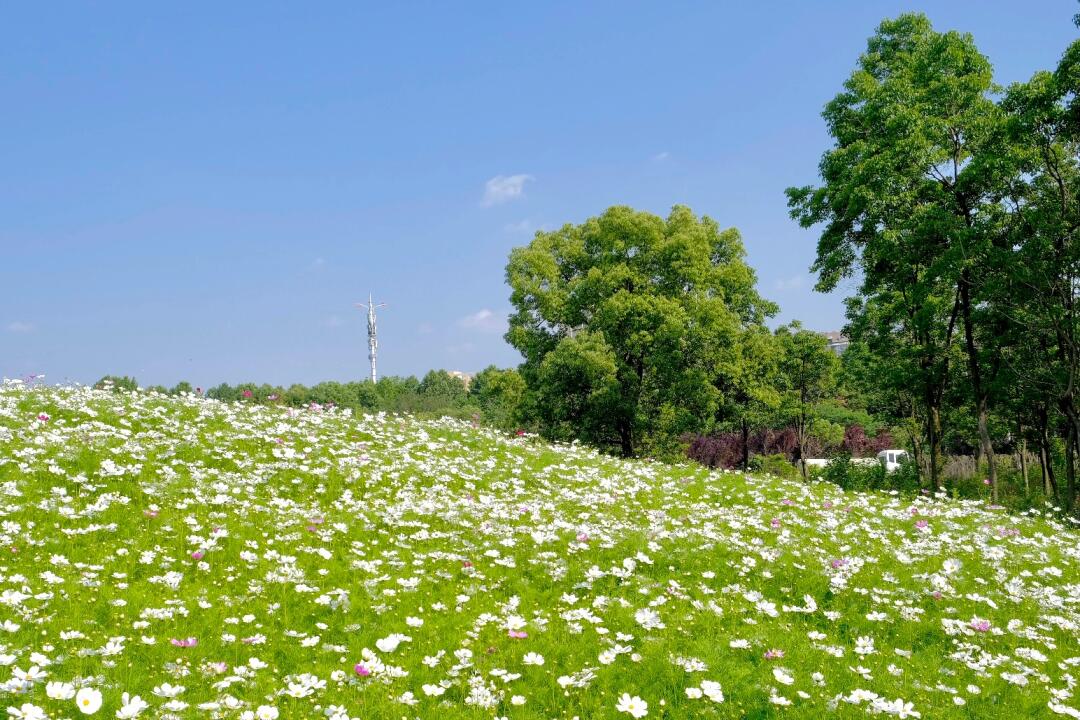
986	481
361	670
247	393
774	654
775	522
583	537
980	625
517	634
197	555
922	524
150	513
184	642
43	417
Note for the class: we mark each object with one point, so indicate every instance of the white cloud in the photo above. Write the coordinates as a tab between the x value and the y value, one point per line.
661	156
502	188
483	321
792	283
333	321
18	326
317	264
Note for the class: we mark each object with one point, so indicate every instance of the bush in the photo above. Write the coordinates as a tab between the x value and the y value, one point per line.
855	476
776	464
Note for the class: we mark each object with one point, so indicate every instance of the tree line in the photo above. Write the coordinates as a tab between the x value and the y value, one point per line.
490	397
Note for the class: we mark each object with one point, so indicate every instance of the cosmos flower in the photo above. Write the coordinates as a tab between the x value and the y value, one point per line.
634	706
88	700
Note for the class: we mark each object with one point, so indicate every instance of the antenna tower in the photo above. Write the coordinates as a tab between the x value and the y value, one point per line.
372	337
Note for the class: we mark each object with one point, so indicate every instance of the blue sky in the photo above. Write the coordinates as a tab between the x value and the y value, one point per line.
202	192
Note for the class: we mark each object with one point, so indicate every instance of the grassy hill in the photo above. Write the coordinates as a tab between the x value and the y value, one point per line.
232	561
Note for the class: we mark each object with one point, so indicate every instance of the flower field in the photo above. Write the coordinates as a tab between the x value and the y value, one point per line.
184	558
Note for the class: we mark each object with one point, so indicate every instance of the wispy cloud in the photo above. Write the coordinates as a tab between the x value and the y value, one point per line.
794	282
333	321
503	188
317	264
18	326
661	156
483	321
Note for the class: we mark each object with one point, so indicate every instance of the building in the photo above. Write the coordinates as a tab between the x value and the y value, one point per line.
464	377
838	342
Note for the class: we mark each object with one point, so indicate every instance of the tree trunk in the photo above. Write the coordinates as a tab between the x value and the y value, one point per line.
626	438
1024	465
746	445
1046	458
1072	446
978	388
933	432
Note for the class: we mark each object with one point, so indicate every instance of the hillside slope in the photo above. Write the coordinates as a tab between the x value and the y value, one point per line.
223	560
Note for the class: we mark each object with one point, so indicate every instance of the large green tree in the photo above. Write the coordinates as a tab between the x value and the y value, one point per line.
627	322
910	202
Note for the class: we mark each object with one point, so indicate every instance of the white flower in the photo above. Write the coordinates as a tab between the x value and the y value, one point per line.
517	700
693	693
533	658
60	691
391	642
88	700
27	711
897	707
166	690
712	690
131	707
782	676
649	619
266	712
433	690
635	706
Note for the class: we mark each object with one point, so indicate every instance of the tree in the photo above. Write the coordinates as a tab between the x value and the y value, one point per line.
808	370
749	390
627	321
498	394
443	388
911	201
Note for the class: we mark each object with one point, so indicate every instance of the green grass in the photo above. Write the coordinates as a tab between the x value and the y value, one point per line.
321	534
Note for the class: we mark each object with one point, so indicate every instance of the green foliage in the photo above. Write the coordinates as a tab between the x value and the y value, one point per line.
628	324
776	465
808	370
499	393
117	382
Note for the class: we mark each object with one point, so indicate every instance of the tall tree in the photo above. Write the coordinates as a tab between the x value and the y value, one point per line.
627	320
909	197
808	371
1044	252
